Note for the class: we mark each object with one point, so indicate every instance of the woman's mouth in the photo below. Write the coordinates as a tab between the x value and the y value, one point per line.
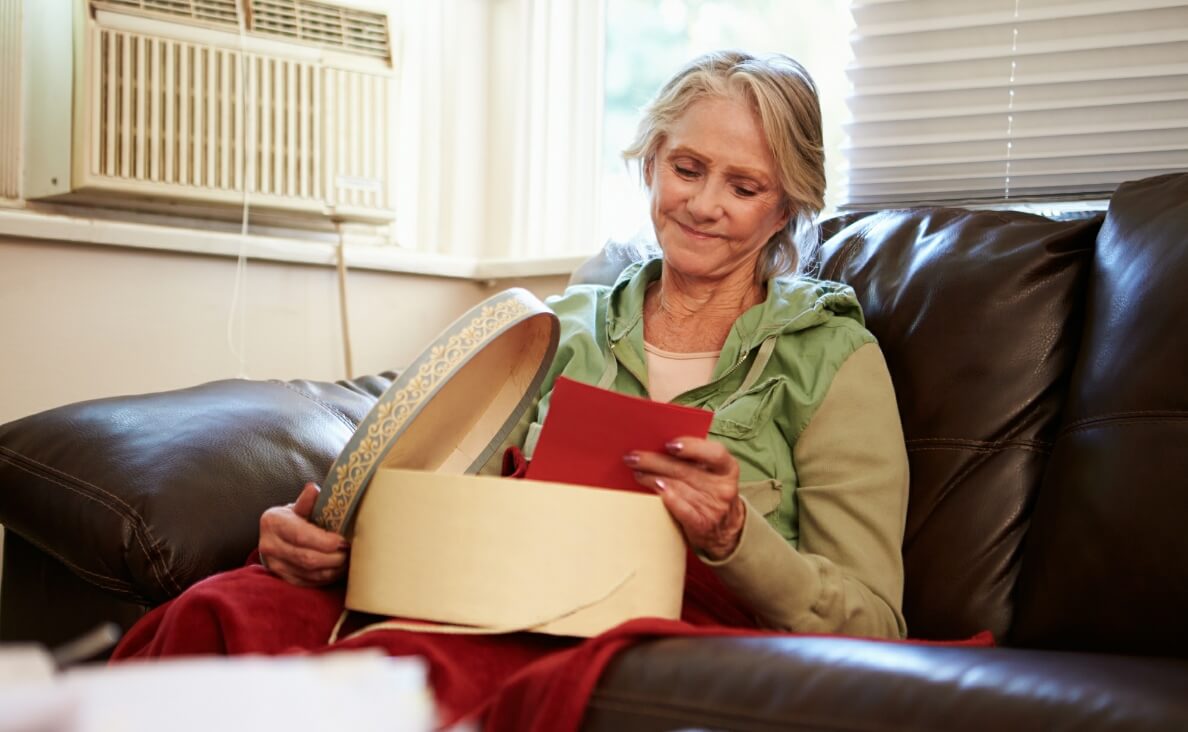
694	233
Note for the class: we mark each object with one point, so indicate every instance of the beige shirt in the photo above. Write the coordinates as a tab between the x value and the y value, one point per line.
672	374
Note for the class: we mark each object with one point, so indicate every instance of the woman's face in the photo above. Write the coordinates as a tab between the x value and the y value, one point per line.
715	195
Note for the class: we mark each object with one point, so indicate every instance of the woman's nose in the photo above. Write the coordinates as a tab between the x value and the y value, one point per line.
704	203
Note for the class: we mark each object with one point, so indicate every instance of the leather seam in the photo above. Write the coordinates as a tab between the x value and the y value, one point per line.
323	404
618	701
139	526
956	441
671	712
967	469
1132	417
988	450
102	581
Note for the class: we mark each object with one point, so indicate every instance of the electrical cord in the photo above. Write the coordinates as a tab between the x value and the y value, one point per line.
342	300
247	172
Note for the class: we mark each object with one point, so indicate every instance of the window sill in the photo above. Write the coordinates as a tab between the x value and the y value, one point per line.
37	225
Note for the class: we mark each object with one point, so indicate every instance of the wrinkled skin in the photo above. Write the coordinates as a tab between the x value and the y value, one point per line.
296	550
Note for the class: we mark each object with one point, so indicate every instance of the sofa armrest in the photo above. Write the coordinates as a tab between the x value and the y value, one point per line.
806	682
144	495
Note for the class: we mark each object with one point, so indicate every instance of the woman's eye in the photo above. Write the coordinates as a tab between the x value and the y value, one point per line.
744	192
684	172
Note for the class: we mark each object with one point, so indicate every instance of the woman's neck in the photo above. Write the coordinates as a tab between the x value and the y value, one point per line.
690	316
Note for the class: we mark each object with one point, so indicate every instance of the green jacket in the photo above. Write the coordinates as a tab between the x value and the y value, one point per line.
775	368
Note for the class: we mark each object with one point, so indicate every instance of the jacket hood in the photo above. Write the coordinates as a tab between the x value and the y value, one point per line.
792	304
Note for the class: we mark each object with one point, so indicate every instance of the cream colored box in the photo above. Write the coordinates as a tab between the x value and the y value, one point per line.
503	555
489	555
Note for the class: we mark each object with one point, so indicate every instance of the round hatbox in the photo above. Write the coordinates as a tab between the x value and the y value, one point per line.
431	542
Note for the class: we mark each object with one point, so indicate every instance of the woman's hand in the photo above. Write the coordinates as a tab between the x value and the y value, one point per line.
698	481
295	550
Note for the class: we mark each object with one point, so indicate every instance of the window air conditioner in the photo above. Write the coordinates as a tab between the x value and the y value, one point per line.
190	106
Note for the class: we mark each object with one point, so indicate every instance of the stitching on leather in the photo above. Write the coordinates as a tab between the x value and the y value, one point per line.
1153	415
106	582
981	457
1132	420
701	716
980	443
979	450
616	701
982	454
17	460
140	527
323	404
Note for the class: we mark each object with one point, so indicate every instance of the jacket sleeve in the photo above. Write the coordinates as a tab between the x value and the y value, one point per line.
847	574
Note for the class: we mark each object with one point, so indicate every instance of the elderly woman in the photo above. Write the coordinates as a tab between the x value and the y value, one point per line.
795	504
797	501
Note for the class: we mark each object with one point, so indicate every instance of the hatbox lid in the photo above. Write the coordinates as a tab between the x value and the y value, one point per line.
453	406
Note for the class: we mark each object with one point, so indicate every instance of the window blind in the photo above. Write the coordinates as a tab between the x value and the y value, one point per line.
1005	100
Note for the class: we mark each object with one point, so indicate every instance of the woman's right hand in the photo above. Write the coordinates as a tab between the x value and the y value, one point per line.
295	550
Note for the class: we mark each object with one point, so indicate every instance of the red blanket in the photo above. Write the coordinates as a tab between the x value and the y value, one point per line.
521	681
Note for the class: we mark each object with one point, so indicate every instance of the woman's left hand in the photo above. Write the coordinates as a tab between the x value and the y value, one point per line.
698	481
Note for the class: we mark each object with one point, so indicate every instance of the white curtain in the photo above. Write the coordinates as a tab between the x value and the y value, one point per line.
1013	99
548	128
441	152
499	125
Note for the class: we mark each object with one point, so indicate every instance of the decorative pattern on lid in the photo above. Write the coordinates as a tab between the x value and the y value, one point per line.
377	433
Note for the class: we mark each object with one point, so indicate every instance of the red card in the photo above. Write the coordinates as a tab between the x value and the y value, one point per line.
588	431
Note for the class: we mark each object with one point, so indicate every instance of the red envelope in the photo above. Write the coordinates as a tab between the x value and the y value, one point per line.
588	431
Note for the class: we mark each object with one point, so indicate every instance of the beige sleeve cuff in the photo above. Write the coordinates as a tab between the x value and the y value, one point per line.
847	576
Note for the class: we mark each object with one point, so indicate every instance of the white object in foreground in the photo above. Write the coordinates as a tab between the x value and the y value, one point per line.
359	691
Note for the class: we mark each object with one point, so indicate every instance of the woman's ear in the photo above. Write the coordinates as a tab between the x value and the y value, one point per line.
649	169
788	214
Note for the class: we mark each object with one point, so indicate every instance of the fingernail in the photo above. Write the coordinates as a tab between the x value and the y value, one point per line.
661	486
631	459
674	446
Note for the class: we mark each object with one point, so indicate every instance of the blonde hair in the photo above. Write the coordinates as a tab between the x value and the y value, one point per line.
783	94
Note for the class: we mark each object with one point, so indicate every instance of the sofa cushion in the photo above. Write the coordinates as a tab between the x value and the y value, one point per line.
1106	562
145	495
846	684
978	314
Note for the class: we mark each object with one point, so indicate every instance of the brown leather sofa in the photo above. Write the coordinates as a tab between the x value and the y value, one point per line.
1042	372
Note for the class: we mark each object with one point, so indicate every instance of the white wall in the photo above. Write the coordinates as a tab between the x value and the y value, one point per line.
80	322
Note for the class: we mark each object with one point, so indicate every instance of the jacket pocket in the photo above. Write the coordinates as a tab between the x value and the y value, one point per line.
763	495
744	415
741	417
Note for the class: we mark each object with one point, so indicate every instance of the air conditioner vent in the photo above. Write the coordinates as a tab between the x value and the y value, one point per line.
216	12
348	29
171	116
